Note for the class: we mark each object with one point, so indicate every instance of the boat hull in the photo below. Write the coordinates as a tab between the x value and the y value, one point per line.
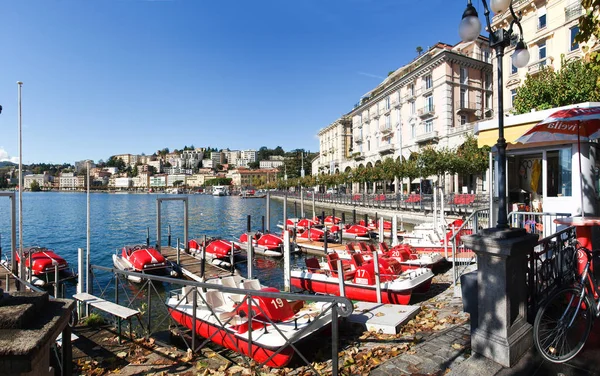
229	340
394	292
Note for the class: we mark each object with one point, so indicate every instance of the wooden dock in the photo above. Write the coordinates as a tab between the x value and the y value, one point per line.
318	248
190	265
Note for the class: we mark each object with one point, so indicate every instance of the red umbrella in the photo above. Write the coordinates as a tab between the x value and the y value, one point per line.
573	124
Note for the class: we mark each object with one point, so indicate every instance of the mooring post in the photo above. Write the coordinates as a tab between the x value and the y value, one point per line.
323	218
117	302
56	281
194	309
158	224
295	208
302	202
286	261
325	239
7	282
169	235
313	203
80	277
394	230
340	271
377	276
366	220
285	210
353	216
203	261
262	221
249	246
147	236
178	253
149	310
232	259
333	215
381	230
268	211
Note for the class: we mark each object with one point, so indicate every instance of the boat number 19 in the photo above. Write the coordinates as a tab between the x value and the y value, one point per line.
278	303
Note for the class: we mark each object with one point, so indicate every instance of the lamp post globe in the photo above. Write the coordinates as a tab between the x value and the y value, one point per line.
520	57
470	26
499	6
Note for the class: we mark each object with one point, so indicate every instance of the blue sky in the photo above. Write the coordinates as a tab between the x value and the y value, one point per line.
104	77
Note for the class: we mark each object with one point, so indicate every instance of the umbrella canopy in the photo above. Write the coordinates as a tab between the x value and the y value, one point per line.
566	125
573	124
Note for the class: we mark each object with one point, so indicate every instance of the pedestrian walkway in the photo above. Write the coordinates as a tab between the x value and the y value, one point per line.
448	352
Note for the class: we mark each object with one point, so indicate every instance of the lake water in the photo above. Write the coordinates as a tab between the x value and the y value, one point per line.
57	220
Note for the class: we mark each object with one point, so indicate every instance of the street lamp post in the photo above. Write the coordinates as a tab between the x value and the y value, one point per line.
21	256
499	39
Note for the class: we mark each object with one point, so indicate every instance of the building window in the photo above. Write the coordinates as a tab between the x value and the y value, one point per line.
541	13
464	76
413	130
411	90
559	173
488	81
429	103
486	56
463	119
413	108
429	126
488	100
542	53
513	94
573	45
463	98
387	122
369	145
387	102
513	69
428	82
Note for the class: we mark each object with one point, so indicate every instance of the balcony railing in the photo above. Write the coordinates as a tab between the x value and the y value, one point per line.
395	103
425	89
358	140
385	128
539	65
466	106
428	136
386	148
426	111
573	11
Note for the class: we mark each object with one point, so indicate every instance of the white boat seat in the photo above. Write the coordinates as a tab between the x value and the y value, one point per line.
230	281
222	309
252	284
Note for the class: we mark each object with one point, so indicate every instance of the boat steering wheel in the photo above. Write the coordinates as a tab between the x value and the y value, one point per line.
137	248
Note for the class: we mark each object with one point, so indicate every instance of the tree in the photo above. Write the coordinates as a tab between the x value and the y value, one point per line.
115	162
35	186
589	31
254	165
419	50
575	82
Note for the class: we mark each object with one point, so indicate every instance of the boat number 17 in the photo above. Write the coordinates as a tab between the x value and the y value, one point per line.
277	303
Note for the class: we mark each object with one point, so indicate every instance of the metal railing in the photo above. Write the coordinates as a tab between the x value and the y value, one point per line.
540	223
477	221
453	202
550	264
155	315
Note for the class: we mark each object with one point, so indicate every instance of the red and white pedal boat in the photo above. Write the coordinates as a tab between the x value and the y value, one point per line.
42	263
299	224
264	244
359	279
223	318
218	251
409	258
143	259
354	232
425	239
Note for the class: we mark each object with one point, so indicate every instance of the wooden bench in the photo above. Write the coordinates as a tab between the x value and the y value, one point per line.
109	307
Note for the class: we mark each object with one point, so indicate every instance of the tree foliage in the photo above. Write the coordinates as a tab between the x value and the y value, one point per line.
575	82
35	186
589	34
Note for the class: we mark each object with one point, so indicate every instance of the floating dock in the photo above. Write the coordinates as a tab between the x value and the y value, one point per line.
382	318
318	248
190	265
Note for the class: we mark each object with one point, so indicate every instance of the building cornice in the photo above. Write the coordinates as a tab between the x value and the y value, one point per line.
443	56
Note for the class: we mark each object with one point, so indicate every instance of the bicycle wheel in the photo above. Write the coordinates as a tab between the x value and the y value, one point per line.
562	325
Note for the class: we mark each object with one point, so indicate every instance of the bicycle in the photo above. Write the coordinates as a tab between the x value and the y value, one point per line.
563	323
